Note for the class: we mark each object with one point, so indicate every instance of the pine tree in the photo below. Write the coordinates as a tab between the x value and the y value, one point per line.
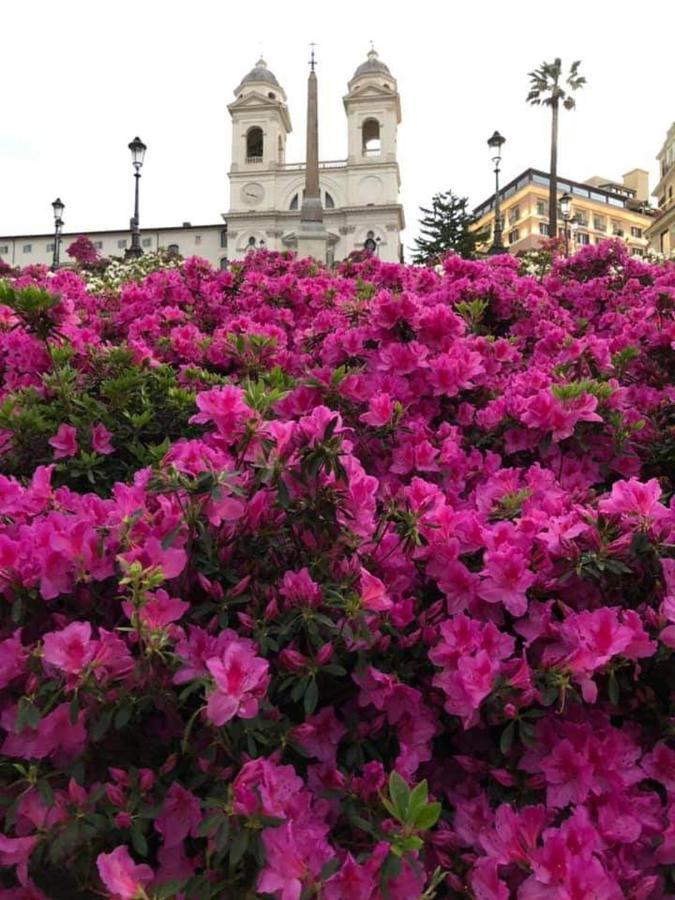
446	226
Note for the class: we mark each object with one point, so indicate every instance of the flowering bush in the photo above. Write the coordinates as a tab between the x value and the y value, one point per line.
83	251
337	584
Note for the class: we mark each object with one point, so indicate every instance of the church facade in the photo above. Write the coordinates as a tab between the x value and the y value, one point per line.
359	195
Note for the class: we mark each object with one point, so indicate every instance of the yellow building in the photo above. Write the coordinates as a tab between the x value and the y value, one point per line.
600	209
661	232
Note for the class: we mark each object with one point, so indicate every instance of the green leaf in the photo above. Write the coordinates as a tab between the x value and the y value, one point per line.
122	716
613	689
45	791
417	801
74	710
101	725
238	846
138	841
311	697
400	795
506	740
427	817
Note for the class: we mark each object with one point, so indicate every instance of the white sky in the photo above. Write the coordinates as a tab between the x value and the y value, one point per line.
80	78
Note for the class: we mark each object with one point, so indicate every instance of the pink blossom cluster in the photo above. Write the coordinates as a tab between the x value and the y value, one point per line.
419	530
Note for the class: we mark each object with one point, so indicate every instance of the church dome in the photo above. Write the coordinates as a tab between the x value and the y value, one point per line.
260	72
372	66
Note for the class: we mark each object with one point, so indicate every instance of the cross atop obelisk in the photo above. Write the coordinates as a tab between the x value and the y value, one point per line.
312	238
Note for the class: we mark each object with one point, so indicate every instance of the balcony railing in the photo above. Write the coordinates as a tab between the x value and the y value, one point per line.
327	164
254	159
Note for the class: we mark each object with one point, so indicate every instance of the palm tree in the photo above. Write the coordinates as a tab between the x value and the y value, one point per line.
545	88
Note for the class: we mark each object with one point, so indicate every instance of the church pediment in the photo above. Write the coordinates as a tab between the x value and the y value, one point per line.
253	99
258	102
368	92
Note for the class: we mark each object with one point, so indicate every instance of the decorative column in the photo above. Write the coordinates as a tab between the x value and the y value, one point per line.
312	237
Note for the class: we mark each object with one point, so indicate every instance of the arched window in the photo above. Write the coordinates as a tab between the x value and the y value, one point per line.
370	131
329	202
224	262
294	202
223	238
254	144
173	248
272	96
251	243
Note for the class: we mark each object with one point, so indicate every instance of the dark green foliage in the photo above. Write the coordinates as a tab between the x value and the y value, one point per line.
447	226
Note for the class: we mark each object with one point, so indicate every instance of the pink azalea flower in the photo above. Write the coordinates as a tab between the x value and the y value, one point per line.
380	410
225	407
319	735
351	880
180	816
122	877
55	736
159	610
64	442
71	649
241	680
264	788
16	852
100	439
373	593
506	578
294	853
634	498
12	658
300	588
568	773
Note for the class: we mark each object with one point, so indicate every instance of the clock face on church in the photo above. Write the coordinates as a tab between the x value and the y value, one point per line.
252	193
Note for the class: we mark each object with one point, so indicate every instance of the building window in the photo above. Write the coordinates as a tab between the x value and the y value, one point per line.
583	238
599	223
254	144
27	248
99	245
173	248
329	202
224	262
147	242
635	231
543	228
541	208
294	202
370	132
513	236
198	239
4	248
121	244
514	214
223	238
50	247
251	243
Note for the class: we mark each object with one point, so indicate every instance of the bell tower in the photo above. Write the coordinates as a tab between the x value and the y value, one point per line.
260	126
373	108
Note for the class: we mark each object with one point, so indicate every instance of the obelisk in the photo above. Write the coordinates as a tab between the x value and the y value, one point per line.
312	237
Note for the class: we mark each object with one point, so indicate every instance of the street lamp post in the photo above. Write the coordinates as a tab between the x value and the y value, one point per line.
58	207
138	149
495	144
566	209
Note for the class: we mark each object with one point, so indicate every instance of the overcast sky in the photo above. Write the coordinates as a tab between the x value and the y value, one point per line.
81	77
